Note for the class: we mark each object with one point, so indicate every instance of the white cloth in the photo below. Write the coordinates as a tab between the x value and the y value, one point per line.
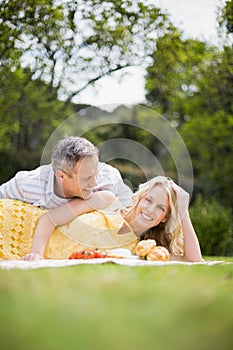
24	265
37	186
110	178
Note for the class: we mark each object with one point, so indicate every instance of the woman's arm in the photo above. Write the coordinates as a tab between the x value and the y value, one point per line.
192	251
62	215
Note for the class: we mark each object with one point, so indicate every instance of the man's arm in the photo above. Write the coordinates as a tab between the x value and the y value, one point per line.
62	215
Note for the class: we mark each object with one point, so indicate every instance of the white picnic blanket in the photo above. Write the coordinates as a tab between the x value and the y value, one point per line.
24	265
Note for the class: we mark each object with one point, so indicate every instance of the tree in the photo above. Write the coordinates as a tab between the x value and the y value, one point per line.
191	84
209	140
226	16
172	79
27	106
55	48
30	111
71	44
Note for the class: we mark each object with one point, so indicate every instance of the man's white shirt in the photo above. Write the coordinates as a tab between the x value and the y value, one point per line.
37	186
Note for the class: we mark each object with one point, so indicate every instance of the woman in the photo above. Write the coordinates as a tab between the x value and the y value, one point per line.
159	210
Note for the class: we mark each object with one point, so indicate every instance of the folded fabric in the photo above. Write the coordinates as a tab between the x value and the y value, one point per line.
24	265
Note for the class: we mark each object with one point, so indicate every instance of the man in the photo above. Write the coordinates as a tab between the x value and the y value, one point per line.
75	171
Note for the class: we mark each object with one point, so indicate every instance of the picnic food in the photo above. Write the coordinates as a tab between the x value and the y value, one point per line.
158	253
94	253
119	253
147	249
87	254
143	247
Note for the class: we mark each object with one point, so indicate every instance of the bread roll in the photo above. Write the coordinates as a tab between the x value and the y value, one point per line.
143	247
158	253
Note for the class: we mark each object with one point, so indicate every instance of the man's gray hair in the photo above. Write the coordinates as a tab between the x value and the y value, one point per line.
70	150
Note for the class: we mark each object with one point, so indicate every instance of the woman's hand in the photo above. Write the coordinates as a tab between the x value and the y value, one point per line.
32	257
182	199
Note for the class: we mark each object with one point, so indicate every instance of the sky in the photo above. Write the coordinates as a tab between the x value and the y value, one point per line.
196	18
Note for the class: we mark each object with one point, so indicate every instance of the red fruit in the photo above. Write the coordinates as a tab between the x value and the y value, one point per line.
87	254
72	256
91	254
103	255
97	254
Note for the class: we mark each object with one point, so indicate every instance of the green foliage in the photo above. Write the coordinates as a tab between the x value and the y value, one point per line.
141	141
28	23
226	16
213	225
208	132
11	162
29	113
215	84
27	106
209	140
191	84
74	43
70	44
172	78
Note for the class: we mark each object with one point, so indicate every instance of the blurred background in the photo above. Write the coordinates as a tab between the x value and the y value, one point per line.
56	57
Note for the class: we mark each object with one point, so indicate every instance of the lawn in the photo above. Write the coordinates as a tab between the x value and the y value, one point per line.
117	308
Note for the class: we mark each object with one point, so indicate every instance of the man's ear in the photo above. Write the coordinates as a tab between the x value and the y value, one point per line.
60	175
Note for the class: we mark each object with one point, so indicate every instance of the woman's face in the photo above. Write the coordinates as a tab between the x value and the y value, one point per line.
152	208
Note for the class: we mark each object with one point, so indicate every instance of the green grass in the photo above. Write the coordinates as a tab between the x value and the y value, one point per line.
117	308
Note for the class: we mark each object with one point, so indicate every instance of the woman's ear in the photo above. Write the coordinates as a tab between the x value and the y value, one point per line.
166	217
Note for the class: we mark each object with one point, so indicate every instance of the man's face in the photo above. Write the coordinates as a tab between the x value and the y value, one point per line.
80	181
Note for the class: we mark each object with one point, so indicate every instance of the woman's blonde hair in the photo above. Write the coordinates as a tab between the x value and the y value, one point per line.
168	234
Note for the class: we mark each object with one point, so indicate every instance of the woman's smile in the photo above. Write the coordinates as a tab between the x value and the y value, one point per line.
146	217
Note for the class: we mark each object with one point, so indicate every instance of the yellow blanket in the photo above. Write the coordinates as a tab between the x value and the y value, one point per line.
93	230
